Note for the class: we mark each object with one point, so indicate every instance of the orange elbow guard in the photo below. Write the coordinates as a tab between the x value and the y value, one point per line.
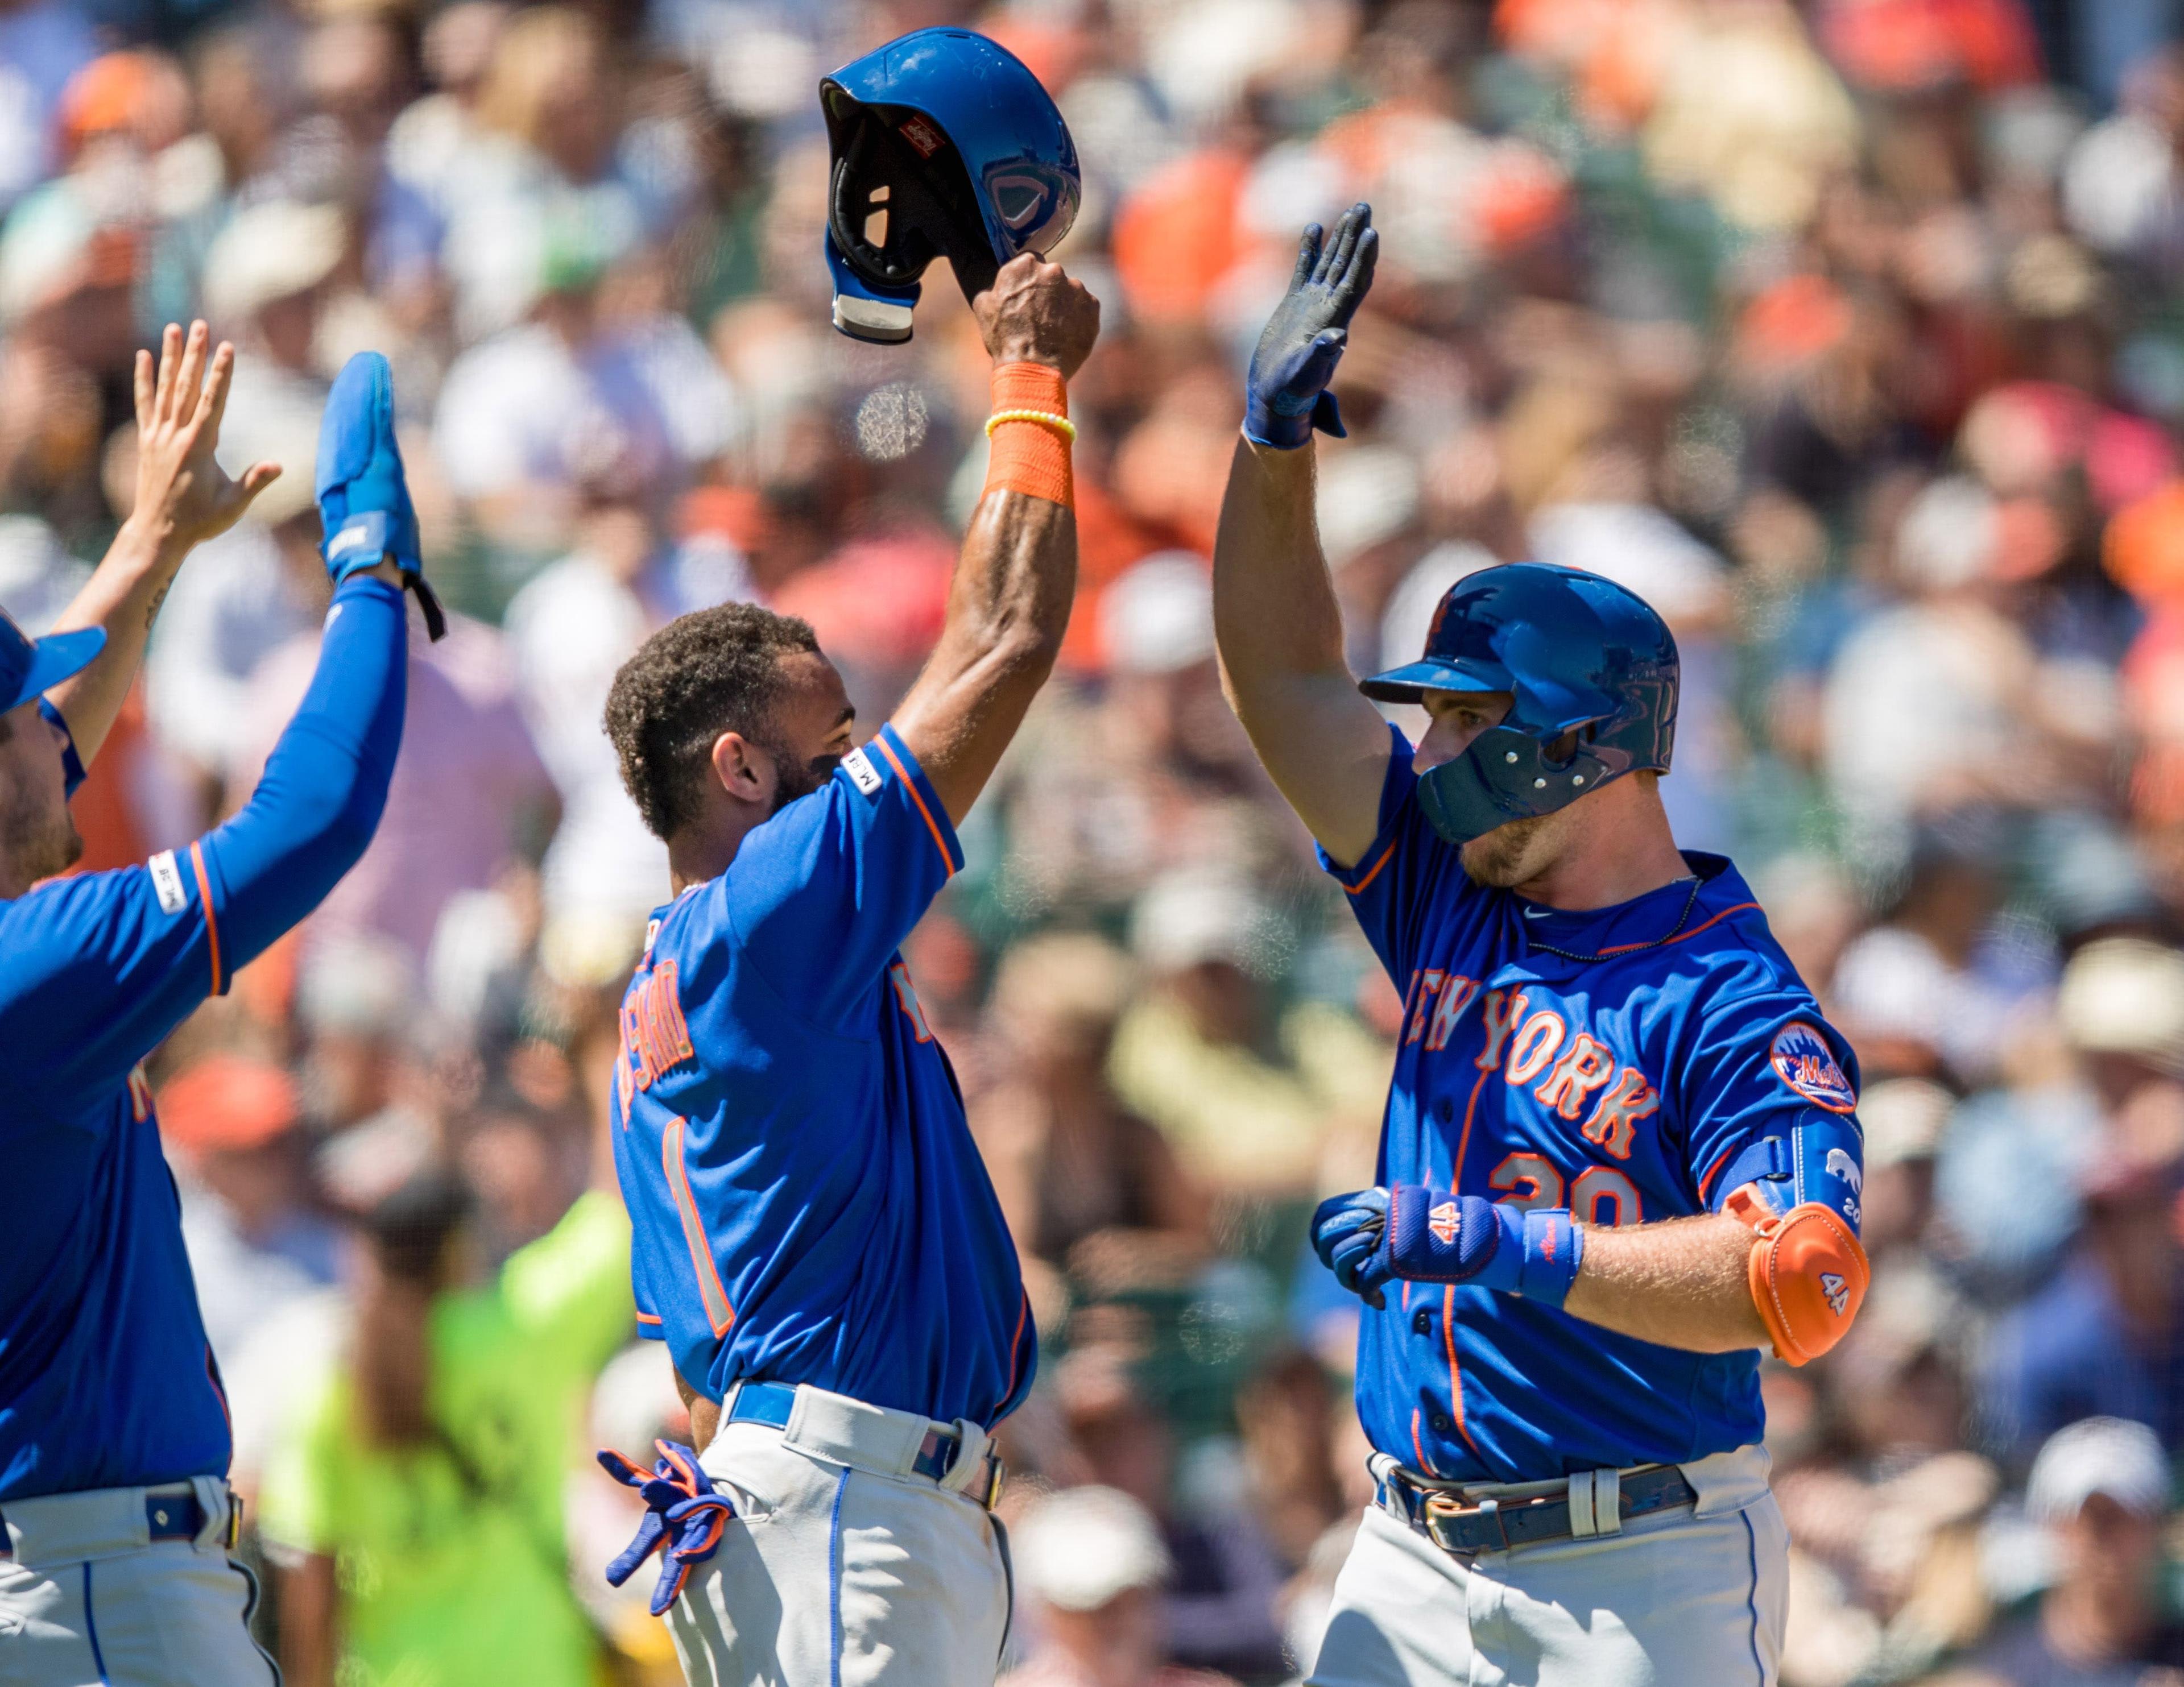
1809	1274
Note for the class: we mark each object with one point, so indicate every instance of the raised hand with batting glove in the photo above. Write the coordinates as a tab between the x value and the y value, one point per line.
364	496
1285	396
1425	1235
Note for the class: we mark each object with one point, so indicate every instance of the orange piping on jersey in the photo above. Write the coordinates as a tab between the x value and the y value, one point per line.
1462	1142
1015	1350
204	896
1625	948
909	784
1710	1171
710	1290
1418	1447
1375	871
1455	1376
648	1317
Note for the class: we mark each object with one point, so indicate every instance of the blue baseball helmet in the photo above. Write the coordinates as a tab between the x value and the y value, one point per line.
1593	670
944	146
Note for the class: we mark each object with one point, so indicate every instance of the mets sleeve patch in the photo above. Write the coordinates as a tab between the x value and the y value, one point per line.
1803	1059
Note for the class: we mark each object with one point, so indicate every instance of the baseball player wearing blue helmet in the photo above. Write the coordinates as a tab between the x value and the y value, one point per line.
115	1516
1620	1156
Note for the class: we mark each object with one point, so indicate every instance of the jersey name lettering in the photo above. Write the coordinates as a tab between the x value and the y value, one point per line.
653	1034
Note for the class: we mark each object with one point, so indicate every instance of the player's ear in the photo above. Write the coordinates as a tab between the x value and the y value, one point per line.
746	772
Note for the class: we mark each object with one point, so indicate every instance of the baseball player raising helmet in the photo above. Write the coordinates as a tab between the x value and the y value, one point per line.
116	1516
1619	1156
815	1239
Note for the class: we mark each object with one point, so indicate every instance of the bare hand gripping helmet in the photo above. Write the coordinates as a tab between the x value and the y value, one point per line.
944	146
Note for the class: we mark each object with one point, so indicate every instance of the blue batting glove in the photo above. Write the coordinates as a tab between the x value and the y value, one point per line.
684	1519
1345	1234
1285	396
1432	1236
364	499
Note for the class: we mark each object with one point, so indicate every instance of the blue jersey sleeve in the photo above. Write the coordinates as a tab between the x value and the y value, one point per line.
1771	1100
1409	871
822	894
100	967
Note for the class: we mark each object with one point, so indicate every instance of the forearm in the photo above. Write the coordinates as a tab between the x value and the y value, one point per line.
1683	1283
307	1622
1274	610
123	598
1278	629
1008	607
319	802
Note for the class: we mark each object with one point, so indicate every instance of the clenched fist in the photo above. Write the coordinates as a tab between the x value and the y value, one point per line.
1035	313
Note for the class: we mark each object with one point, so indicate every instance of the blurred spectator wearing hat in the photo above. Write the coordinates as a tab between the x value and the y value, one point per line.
1216	1601
569	629
597	377
1090	1188
1934	989
415	1502
1091	1565
1143	771
1249	1096
2099	1488
469	786
254	1240
2105	1333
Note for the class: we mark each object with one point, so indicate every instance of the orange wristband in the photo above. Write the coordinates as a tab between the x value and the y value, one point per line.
1030	456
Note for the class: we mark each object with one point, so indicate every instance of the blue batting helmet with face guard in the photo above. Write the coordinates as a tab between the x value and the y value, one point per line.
944	146
1591	670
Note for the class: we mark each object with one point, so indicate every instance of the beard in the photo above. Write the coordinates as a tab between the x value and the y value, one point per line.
1515	852
37	841
798	778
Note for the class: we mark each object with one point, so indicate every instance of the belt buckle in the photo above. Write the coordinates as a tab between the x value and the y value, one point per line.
997	1478
1442	1510
234	1530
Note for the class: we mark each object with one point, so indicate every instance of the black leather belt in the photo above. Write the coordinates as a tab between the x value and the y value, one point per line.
1464	1527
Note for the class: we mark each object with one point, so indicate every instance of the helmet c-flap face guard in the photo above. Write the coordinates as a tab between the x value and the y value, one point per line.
1592	674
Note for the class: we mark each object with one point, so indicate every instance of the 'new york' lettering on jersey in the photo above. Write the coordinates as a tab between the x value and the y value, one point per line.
807	1201
1619	1086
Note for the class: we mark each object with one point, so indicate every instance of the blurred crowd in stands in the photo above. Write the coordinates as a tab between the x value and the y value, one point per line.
1844	331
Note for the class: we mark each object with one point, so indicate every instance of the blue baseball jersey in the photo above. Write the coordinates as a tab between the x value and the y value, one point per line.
1616	1062
807	1201
106	1377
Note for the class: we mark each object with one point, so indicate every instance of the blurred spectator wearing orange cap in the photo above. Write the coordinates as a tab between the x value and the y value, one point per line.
255	1242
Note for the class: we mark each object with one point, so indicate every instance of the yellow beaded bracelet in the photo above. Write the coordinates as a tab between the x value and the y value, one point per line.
1061	425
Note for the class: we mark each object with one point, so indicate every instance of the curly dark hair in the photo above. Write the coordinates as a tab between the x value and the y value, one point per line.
711	671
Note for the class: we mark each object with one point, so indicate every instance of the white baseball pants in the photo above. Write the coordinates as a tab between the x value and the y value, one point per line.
843	1567
88	1599
1692	1595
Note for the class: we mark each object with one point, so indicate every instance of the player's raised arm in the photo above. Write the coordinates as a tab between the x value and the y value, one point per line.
116	960
1008	604
1274	611
183	497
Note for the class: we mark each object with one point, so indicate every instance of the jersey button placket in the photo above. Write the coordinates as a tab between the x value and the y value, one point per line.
1442	1422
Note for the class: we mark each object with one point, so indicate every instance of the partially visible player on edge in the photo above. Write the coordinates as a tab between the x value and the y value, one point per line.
1619	1155
116	1516
815	1239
